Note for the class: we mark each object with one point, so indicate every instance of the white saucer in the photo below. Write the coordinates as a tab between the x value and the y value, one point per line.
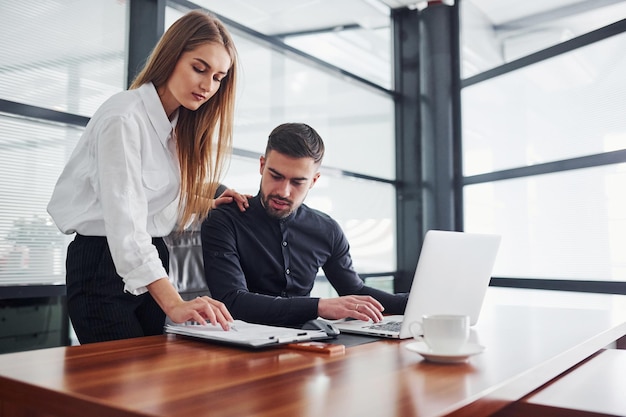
468	350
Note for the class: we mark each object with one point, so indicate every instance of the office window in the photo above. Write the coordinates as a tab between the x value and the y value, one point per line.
497	32
569	106
542	151
353	35
64	56
275	87
567	225
32	250
351	119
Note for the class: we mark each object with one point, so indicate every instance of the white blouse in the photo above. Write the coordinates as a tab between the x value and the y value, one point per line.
123	181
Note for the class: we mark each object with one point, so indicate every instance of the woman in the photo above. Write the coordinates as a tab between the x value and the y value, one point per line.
150	158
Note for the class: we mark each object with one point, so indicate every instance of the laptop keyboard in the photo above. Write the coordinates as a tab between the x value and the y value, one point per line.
390	326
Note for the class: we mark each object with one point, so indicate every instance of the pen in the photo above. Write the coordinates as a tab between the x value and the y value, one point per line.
290	339
280	337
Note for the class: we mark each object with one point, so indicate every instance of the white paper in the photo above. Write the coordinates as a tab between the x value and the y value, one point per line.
246	333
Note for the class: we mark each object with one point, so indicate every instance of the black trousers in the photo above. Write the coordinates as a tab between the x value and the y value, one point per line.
98	306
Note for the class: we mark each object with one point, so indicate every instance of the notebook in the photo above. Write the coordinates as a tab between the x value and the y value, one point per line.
451	277
246	334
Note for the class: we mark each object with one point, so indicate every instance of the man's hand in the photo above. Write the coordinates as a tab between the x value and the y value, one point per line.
231	195
361	307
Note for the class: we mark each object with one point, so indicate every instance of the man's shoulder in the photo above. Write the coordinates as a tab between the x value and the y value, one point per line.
223	211
219	221
317	216
231	213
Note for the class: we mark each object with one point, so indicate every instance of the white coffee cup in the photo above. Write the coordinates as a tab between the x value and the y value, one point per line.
444	333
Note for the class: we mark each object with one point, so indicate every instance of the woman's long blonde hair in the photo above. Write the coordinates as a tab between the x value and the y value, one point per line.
203	155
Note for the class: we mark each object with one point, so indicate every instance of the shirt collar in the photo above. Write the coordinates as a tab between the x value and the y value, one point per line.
156	113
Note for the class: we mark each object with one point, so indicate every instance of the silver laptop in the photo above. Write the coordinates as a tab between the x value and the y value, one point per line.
452	276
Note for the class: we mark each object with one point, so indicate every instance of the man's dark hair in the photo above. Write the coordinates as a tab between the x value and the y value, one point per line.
296	140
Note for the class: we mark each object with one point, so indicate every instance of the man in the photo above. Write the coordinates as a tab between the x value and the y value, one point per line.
262	263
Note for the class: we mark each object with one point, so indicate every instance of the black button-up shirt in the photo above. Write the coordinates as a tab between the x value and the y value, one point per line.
263	269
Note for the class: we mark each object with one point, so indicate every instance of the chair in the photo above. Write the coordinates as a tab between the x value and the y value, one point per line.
186	262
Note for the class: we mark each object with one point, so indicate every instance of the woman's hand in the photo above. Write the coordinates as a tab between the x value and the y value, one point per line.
202	310
231	195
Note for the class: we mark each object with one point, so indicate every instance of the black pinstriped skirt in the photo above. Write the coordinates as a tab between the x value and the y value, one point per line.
98	306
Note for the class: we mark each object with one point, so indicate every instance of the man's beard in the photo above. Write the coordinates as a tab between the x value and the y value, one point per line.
274	213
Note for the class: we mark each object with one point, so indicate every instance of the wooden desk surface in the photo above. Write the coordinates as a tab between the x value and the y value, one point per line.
530	337
596	386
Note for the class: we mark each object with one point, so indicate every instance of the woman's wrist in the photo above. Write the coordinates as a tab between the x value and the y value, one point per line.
165	294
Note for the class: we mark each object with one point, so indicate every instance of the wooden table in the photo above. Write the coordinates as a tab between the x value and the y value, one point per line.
530	337
594	388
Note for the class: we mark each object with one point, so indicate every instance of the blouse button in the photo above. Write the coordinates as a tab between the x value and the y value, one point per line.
284	243
288	271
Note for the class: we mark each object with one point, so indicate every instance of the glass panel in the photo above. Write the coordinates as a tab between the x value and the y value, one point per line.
365	53
569	106
63	55
569	225
274	88
381	283
355	36
497	32
32	250
364	209
323	288
351	119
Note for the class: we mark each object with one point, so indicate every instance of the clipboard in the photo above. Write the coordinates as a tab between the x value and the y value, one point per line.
246	334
